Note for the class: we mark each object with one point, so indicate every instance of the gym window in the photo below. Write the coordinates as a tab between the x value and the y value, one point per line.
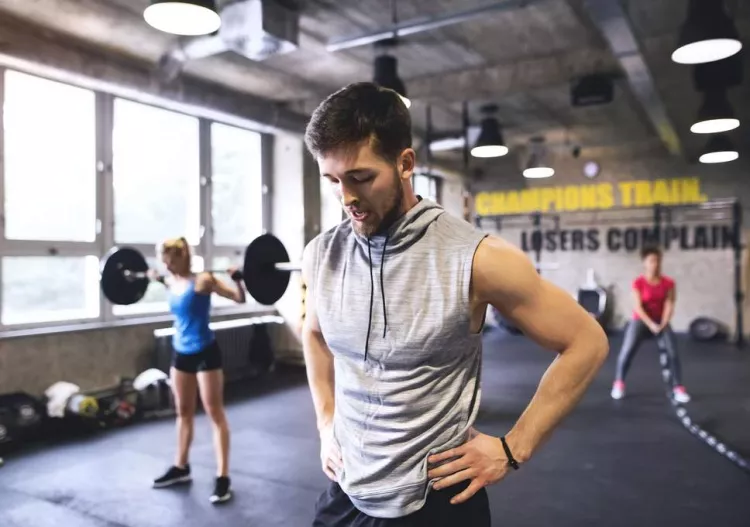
426	186
155	173
84	171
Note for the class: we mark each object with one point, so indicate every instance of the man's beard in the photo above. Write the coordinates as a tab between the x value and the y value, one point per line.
392	214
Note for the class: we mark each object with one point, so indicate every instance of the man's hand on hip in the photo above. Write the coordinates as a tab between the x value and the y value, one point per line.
330	455
481	460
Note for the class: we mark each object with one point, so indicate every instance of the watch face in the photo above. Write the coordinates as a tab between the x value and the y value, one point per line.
591	169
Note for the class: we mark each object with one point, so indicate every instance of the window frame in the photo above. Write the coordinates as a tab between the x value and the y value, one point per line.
104	196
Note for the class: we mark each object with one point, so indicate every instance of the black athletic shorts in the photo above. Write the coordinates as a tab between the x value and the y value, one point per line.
335	509
209	358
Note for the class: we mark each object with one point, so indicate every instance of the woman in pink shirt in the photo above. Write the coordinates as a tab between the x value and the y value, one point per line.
654	297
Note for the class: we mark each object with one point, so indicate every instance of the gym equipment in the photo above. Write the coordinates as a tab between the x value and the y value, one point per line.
682	414
265	271
21	416
704	329
154	394
594	299
123	276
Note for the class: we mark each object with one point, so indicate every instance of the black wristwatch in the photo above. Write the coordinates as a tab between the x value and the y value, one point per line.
511	460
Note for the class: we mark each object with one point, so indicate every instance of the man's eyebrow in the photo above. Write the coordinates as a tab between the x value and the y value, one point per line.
355	172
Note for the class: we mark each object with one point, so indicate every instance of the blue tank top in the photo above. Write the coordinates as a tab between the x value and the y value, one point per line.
191	311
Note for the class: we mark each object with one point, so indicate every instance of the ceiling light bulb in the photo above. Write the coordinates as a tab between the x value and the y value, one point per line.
489	151
706	51
715	126
719	157
538	172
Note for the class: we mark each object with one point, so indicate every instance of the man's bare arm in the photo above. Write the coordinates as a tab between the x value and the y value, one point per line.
504	277
318	358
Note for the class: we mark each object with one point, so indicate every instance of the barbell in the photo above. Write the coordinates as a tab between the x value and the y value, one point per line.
265	271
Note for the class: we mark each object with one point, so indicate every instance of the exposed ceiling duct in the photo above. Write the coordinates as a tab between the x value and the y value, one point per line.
614	26
422	24
256	29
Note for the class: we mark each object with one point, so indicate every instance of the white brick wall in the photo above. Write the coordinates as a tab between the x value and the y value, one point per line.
705	279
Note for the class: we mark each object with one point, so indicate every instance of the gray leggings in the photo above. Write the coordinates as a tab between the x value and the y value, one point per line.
635	334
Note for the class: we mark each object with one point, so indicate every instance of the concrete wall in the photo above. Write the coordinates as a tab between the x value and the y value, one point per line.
705	278
91	358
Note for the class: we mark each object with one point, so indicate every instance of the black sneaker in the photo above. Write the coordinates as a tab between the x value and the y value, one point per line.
221	491
173	476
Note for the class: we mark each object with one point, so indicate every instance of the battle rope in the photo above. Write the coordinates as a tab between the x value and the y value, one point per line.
682	414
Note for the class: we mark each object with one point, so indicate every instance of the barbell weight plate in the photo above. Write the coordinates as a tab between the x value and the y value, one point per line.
115	286
264	282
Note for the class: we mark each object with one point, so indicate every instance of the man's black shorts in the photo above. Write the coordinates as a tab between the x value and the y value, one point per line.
335	509
209	358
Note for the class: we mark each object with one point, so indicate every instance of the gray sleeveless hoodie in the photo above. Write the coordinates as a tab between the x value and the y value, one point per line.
395	312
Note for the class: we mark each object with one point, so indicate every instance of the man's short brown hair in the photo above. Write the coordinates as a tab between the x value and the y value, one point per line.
358	112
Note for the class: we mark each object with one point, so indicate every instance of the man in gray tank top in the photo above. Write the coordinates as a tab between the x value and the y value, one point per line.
396	298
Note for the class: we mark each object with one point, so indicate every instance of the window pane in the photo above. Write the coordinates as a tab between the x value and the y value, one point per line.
425	186
237	185
45	289
155	299
50	160
156	174
331	212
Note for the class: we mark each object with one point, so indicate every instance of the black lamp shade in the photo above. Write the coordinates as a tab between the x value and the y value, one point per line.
715	115
490	142
386	74
707	21
715	106
490	134
719	149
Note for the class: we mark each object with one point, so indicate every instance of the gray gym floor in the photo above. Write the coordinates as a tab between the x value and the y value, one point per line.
627	463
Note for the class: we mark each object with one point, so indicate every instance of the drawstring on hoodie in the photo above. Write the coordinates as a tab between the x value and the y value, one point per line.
382	289
372	292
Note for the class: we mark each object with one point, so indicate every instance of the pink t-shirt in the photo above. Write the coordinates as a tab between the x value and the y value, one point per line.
653	296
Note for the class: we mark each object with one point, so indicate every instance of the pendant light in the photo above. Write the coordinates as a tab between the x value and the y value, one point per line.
386	75
715	115
719	150
537	166
490	142
183	17
708	34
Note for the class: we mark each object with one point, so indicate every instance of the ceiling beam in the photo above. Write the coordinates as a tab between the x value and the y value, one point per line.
613	24
426	23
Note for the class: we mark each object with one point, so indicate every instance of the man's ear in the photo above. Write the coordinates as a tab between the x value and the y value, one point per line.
407	163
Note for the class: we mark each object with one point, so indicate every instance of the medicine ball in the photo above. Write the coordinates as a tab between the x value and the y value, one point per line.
704	329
